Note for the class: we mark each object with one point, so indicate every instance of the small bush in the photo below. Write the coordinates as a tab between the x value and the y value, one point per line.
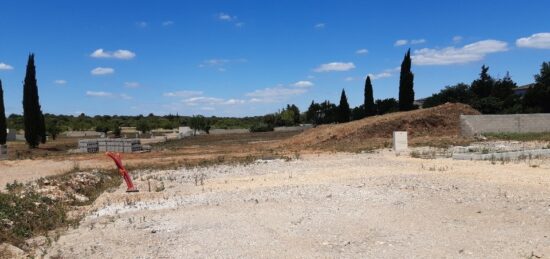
23	215
261	127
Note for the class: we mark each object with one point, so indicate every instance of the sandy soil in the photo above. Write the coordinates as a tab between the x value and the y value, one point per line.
375	205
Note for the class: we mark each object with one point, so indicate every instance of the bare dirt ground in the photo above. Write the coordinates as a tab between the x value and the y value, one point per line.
53	159
374	205
311	203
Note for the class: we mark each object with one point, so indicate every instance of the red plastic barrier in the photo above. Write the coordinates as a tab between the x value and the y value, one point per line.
118	161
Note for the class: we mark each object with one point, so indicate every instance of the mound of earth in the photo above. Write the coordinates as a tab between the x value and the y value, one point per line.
440	121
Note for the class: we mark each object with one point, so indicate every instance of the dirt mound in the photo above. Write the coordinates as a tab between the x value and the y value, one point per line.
440	121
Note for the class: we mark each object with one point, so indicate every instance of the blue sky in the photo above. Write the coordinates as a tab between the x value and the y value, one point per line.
239	58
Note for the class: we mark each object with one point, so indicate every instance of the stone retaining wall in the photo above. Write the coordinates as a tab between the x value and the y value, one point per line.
509	123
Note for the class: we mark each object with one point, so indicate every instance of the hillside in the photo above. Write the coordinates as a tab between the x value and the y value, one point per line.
437	122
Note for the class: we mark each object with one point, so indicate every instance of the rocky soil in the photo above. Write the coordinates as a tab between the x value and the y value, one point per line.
333	205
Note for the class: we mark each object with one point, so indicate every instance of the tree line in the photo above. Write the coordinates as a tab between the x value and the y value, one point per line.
327	112
497	96
487	94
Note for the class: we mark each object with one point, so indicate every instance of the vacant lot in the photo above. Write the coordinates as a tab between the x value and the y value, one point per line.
286	194
53	158
340	205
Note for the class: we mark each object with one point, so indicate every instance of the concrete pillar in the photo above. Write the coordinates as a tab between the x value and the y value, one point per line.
400	141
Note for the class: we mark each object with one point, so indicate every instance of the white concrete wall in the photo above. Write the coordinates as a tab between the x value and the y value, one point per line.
513	123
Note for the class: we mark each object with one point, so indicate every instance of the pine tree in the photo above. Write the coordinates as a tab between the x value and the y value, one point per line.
406	85
3	133
35	129
343	109
370	107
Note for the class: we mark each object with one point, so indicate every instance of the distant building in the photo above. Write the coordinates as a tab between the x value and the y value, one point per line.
129	132
419	102
523	89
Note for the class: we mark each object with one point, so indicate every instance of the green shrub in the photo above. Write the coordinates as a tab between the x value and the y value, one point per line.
261	127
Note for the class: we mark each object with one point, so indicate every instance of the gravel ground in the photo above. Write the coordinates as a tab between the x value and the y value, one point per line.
375	205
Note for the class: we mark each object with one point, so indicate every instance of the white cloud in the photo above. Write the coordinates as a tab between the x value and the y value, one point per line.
167	23
384	74
349	78
212	101
142	24
457	39
274	94
99	94
362	51
320	26
451	55
335	66
118	54
99	53
220	64
102	94
60	82
303	84
102	71
381	75
126	97
537	41
214	62
401	42
4	66
184	93
131	84
193	101
405	42
124	54
206	108
418	41
226	17
234	101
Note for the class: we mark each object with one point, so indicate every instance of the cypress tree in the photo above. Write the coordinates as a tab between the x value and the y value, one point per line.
343	109
3	133
406	91
483	86
35	129
370	107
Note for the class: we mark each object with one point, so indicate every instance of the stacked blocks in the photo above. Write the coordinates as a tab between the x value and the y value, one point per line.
110	145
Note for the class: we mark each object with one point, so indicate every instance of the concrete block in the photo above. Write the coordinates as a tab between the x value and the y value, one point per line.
3	152
512	155
400	141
